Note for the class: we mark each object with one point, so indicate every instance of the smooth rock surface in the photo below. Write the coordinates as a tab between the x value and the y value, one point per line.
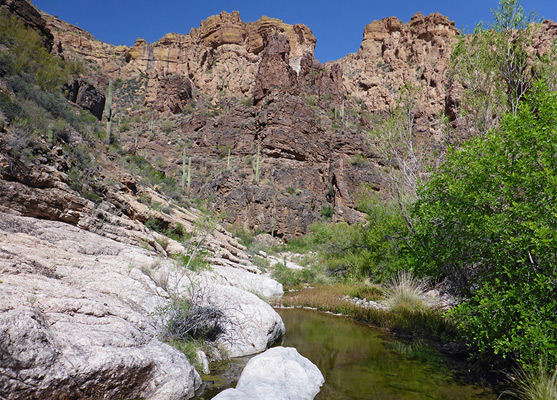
280	373
253	324
79	316
260	285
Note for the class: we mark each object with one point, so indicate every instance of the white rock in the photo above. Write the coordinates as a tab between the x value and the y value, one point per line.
280	373
253	324
74	323
78	316
258	284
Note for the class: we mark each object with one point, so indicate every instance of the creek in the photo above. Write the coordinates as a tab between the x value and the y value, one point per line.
361	362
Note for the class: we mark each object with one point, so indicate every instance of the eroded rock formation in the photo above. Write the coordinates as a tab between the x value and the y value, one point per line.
394	54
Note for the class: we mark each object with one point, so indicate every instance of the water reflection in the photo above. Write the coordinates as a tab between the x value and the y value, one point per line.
359	362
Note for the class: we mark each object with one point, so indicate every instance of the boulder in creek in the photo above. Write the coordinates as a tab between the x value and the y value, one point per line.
280	373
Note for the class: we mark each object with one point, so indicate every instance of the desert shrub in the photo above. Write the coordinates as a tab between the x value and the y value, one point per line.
247	101
189	319
124	126
358	159
261	262
11	109
293	277
93	197
29	55
327	211
290	190
375	249
167	126
190	349
194	261
149	173
156	224
245	237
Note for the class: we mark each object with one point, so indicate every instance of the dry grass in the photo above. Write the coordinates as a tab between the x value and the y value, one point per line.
426	322
406	292
535	384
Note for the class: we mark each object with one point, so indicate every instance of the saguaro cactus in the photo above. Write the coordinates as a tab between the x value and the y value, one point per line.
257	165
189	176
108	110
184	169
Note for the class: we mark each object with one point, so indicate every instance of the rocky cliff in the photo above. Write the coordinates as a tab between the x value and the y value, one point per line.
235	87
222	55
394	54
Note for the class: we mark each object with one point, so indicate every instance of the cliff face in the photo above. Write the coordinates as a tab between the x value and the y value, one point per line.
394	54
229	88
221	56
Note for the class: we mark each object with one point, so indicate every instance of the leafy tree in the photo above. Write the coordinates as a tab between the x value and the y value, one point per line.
373	249
487	221
494	69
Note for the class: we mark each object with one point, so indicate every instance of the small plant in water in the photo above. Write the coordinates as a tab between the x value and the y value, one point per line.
534	383
405	291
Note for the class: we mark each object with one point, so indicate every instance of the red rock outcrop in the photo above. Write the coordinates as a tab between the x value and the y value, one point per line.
221	57
168	94
394	54
275	72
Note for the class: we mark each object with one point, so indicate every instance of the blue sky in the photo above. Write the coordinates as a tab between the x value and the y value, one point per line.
337	25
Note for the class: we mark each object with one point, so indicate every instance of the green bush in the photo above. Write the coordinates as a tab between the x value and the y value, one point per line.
11	110
374	249
29	55
358	159
293	277
327	211
487	221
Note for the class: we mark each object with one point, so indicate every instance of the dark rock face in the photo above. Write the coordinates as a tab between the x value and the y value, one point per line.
324	82
168	93
275	72
276	75
86	96
304	167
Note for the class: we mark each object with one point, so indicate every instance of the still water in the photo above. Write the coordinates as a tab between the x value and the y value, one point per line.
361	363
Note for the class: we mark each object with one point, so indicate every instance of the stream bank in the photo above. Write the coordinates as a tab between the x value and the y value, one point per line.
362	362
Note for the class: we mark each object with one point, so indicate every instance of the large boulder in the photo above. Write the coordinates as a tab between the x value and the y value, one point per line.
280	373
252	325
85	95
80	315
77	318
